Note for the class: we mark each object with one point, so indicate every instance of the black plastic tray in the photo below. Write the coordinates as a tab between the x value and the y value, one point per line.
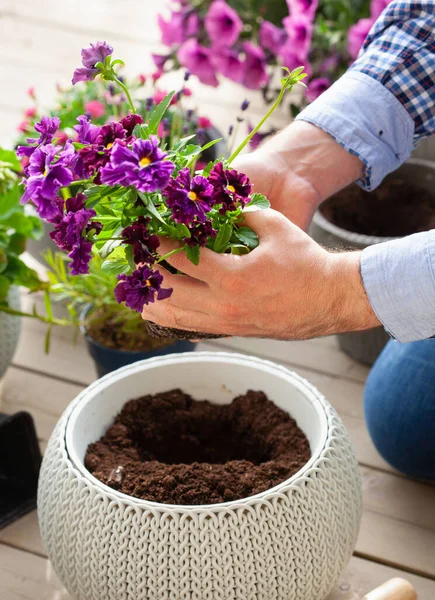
20	460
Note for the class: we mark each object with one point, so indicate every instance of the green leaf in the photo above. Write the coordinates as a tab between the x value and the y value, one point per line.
10	202
115	267
257	202
47	304
210	144
141	131
20	274
17	243
192	253
47	340
3	260
247	236
158	113
149	204
4	287
110	245
223	237
239	249
10	158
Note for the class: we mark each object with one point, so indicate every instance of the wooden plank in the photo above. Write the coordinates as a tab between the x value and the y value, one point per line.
24	535
25	576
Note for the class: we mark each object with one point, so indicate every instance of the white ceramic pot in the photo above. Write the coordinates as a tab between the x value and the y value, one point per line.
10	327
290	542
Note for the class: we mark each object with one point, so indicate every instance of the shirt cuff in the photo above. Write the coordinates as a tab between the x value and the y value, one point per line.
368	121
399	279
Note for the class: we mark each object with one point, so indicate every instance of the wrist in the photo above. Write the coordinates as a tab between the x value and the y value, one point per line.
315	157
349	301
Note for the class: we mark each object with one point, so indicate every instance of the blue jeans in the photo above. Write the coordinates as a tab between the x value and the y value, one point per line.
399	404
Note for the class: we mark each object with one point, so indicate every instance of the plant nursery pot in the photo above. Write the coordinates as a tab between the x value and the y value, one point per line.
107	360
10	327
365	346
291	541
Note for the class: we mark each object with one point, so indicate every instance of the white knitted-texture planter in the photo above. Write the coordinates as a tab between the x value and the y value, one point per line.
288	543
10	327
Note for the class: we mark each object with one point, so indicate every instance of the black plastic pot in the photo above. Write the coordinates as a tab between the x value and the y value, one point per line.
365	346
109	359
20	460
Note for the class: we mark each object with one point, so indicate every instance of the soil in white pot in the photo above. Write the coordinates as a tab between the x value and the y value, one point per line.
395	209
171	449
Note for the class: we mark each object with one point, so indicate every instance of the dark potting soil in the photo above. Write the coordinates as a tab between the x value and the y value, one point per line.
123	332
160	332
172	449
395	209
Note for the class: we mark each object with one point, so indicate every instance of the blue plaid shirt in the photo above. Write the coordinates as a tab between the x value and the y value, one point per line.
379	110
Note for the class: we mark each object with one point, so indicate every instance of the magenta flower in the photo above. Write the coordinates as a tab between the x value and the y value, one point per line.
200	233
254	68
292	59
230	187
142	166
377	7
306	8
357	34
272	37
46	175
95	109
47	128
223	24
142	287
198	60
228	63
330	63
69	232
173	30
129	123
189	198
299	30
144	244
317	87
90	57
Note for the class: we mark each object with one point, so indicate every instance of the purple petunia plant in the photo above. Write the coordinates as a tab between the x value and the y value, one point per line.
111	191
247	41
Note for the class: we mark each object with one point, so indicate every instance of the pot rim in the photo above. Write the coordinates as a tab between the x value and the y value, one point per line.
316	399
96	343
362	238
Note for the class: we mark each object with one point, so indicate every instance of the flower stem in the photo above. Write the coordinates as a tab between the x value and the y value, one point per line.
260	124
127	93
162	258
103	239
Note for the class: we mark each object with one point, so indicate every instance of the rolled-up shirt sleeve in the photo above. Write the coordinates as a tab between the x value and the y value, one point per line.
399	278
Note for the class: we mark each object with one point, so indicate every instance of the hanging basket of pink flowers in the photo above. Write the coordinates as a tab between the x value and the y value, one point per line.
117	189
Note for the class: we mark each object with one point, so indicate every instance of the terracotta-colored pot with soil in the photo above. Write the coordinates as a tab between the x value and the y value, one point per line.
146	489
402	205
114	342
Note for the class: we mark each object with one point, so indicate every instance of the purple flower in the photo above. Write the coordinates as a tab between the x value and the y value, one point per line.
292	59
223	24
144	244
198	60
357	34
90	57
330	63
272	37
317	87
189	198
299	30
69	232
86	132
228	63
160	60
230	187
142	166
140	288
47	129
129	123
303	7
254	68
178	28
200	233
46	176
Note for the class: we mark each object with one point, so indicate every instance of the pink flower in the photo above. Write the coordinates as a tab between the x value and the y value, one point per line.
60	136
254	68
292	59
95	109
228	63
187	92
357	34
306	8
204	122
142	79
377	6
23	126
317	87
30	112
31	92
299	30
180	26
160	95
272	37
223	24
156	75
198	60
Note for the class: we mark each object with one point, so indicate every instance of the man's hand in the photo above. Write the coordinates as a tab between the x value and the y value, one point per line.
299	168
287	288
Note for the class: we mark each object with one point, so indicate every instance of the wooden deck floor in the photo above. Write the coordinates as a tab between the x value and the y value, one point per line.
40	44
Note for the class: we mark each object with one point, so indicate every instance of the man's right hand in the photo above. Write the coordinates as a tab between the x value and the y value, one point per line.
299	168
